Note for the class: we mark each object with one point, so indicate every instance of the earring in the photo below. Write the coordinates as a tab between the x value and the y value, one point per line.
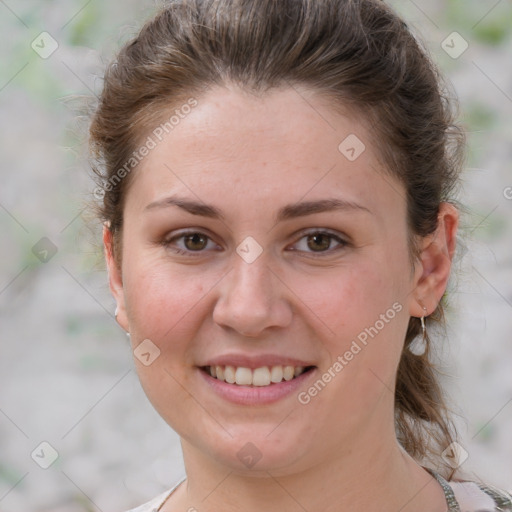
116	312
419	345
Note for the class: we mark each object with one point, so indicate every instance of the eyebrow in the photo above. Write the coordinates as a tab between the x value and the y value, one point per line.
193	207
290	211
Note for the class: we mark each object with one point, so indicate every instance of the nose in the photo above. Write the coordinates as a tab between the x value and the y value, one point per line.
252	299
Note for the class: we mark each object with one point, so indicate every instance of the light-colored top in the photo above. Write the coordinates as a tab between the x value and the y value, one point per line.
156	503
460	497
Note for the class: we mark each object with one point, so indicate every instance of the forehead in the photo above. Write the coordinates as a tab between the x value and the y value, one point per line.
241	149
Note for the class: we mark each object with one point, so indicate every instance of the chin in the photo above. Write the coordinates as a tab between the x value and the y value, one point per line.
256	454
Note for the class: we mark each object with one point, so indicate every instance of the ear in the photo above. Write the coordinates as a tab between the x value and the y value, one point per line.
115	278
433	270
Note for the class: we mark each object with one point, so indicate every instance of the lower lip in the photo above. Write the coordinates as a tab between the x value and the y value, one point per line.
256	395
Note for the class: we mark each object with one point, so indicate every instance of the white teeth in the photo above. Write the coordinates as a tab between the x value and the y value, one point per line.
263	376
229	374
276	374
288	373
243	376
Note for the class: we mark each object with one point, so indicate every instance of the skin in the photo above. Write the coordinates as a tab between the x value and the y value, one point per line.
249	157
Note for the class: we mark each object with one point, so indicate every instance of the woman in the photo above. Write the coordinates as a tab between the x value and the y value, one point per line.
279	231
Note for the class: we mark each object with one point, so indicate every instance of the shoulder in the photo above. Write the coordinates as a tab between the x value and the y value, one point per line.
156	503
471	496
480	497
152	505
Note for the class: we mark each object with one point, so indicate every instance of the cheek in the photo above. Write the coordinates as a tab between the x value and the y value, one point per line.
364	320
162	302
362	314
166	307
348	299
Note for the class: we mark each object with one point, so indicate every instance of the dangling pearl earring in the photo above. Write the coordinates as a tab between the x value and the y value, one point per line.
419	345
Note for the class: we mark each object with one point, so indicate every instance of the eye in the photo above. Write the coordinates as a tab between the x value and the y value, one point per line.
190	242
319	242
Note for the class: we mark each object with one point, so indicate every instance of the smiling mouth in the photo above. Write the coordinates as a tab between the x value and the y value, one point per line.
259	377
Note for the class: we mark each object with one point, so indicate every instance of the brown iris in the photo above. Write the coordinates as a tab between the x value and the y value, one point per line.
195	241
319	242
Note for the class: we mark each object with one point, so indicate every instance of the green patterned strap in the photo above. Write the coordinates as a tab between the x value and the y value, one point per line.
453	506
501	499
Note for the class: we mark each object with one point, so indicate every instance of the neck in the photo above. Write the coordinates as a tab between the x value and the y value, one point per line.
370	480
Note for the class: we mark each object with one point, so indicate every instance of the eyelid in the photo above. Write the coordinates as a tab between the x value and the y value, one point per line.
176	233
324	231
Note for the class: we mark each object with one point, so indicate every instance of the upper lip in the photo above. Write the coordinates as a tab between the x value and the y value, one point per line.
253	362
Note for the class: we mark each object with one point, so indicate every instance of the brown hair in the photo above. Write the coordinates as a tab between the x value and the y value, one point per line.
358	53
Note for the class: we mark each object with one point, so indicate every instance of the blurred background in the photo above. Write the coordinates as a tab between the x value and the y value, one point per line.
69	396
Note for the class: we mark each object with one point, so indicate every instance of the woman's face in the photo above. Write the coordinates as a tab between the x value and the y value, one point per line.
262	233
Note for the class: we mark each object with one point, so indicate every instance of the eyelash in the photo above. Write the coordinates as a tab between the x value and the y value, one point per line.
168	243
